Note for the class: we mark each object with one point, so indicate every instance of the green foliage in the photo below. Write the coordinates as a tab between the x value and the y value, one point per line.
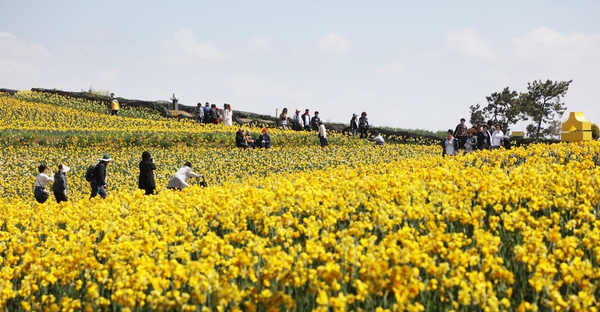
97	92
595	132
542	104
503	108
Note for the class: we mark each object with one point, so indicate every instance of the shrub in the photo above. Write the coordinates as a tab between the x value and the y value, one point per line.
595	132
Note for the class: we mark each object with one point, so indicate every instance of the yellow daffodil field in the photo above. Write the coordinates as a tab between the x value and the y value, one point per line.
292	228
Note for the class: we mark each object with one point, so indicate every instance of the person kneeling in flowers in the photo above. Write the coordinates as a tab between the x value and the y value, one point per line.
264	140
179	180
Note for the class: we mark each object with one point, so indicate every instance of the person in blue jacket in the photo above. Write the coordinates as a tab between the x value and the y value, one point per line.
264	140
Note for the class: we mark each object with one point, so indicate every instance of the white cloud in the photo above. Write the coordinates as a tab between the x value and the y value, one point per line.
109	76
20	61
546	49
394	69
182	48
468	43
261	45
334	42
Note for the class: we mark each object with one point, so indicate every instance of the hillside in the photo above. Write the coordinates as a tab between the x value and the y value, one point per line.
155	110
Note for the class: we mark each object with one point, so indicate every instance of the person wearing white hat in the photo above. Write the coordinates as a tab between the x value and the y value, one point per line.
60	184
98	183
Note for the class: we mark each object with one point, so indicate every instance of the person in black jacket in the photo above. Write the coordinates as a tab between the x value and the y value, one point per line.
240	139
146	179
363	125
98	183
60	184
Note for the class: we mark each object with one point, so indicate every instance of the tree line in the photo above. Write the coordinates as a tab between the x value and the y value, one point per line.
541	104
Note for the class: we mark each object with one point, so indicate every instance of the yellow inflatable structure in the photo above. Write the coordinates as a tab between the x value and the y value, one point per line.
576	128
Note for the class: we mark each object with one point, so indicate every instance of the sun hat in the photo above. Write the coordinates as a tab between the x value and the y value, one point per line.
63	168
106	158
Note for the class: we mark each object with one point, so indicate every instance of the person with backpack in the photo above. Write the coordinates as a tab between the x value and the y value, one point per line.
41	181
60	184
146	179
98	178
363	125
179	180
213	114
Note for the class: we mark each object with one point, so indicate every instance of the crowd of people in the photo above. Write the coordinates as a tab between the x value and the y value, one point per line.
460	139
475	138
96	176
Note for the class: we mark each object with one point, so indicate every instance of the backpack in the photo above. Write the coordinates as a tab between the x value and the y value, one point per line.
213	115
89	173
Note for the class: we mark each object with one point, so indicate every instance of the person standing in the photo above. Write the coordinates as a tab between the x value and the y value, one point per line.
41	181
213	114
283	118
227	115
449	144
264	139
179	180
363	125
98	183
471	142
497	137
146	179
114	106
306	120
484	137
323	134
315	121
112	97
461	133
354	124
206	109
199	112
60	184
297	121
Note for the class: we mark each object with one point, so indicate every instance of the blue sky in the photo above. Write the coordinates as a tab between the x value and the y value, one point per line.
409	64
